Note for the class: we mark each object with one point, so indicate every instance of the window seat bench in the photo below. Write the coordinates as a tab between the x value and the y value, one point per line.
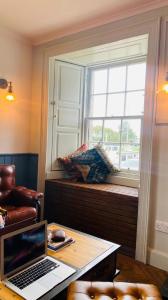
106	210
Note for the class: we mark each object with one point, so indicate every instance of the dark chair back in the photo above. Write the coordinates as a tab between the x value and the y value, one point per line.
7	181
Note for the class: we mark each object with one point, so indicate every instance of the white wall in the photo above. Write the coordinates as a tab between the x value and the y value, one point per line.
158	242
15	66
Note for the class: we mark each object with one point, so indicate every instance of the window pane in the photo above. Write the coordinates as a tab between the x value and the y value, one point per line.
92	145
134	103
95	131
112	131
98	108
113	151
136	76
99	81
115	106
117	78
131	130
130	157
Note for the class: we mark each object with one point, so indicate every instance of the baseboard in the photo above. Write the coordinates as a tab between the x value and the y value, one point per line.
158	259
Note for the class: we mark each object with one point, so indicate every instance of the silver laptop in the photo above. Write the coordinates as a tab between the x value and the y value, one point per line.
25	266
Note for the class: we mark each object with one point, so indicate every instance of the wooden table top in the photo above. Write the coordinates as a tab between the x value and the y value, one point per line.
84	251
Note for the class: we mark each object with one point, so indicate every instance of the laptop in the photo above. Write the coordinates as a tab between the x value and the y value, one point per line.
25	266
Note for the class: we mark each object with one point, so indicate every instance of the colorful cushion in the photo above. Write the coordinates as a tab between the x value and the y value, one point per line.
97	165
71	169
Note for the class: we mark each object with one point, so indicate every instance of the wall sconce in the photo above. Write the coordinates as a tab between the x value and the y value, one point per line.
165	86
4	84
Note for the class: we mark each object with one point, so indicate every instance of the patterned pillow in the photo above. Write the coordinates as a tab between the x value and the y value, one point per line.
97	165
72	171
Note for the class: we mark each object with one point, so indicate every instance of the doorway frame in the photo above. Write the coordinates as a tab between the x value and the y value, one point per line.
133	26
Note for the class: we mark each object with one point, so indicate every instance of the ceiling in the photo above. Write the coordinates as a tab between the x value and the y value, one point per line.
43	20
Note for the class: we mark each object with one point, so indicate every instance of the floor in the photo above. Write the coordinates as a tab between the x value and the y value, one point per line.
133	271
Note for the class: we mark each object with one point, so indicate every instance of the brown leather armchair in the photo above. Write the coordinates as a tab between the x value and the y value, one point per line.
21	206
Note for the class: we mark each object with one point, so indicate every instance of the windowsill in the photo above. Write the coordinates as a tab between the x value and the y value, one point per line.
122	180
119	179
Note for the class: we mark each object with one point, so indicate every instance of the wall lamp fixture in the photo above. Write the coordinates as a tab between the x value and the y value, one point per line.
4	84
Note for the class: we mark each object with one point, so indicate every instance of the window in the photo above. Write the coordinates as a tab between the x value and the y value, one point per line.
115	111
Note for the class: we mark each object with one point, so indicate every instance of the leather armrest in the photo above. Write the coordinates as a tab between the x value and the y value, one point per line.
23	196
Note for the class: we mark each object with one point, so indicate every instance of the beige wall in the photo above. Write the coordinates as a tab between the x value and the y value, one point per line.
36	101
158	242
15	66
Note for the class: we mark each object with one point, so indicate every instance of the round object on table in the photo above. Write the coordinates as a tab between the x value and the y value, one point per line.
58	235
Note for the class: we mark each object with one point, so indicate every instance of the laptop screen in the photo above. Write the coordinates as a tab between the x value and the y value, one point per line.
24	247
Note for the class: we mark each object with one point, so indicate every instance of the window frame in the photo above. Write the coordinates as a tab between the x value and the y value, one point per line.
125	176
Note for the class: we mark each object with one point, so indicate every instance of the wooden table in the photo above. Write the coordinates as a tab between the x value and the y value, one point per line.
93	258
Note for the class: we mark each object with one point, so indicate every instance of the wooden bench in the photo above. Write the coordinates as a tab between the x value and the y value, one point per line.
105	210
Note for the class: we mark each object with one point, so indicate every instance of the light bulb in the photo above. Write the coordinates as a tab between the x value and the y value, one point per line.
10	97
165	88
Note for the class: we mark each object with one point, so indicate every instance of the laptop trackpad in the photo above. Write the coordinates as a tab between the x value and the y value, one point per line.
49	280
34	291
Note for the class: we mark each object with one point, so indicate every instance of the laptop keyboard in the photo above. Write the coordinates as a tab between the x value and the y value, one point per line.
32	274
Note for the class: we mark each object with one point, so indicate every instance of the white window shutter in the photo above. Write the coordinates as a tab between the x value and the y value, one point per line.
65	113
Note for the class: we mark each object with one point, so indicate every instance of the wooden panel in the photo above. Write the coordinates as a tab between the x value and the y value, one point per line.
70	82
26	167
32	171
105	210
102	187
65	115
68	117
72	139
83	251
